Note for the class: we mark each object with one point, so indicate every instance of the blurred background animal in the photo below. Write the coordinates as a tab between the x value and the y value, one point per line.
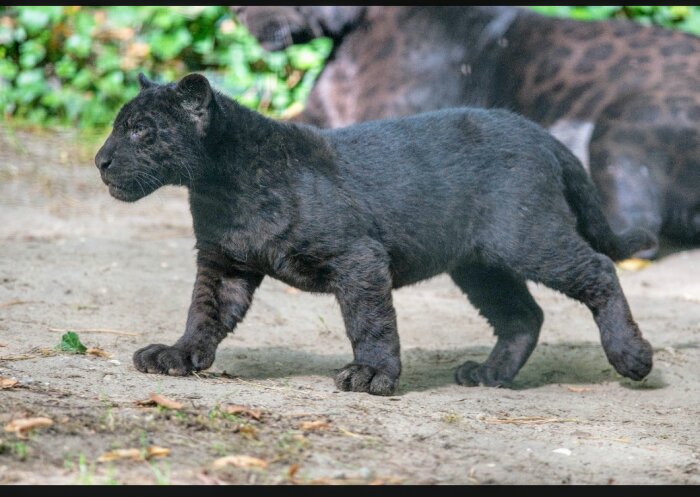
624	97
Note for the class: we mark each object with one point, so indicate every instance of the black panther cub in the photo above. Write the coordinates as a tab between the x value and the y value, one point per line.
484	195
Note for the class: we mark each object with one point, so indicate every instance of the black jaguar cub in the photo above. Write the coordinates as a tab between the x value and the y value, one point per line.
484	195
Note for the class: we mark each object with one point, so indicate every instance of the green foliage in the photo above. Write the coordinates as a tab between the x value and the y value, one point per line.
683	17
71	343
77	65
74	65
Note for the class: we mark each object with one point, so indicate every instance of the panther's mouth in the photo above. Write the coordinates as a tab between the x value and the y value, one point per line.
124	194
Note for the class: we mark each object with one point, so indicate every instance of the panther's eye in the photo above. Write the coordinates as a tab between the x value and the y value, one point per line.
137	132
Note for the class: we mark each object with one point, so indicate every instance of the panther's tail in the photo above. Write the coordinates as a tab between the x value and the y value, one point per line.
583	198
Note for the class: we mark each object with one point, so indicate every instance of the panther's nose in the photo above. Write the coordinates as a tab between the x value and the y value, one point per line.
102	163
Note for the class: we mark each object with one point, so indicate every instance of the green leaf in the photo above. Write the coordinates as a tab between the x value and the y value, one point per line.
108	60
204	46
167	45
84	22
66	68
5	35
71	343
304	56
8	70
20	34
276	60
30	85
593	12
691	23
111	84
83	79
78	44
34	19
31	53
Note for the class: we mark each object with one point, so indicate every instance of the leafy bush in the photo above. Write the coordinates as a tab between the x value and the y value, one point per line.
78	65
683	17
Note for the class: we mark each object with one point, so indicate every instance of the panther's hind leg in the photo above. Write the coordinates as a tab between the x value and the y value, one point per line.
567	263
504	300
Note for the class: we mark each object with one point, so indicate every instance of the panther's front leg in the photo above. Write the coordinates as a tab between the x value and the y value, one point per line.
220	299
363	289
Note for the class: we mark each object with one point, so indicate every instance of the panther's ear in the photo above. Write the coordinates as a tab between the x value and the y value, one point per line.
144	82
195	96
195	91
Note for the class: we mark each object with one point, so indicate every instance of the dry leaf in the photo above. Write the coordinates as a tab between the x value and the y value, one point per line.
207	479
317	425
248	431
118	454
20	426
256	414
7	383
292	471
164	401
155	451
135	454
98	352
633	264
579	389
239	461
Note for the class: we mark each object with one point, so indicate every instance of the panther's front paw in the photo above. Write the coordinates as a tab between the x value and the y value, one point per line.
473	374
174	361
361	378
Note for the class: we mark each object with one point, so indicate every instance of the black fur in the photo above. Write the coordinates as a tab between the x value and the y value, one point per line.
484	195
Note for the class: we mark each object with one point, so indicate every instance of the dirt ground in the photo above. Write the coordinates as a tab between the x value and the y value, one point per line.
73	258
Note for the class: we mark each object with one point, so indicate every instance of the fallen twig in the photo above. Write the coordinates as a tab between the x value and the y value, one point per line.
354	435
20	357
528	420
97	330
19	302
281	389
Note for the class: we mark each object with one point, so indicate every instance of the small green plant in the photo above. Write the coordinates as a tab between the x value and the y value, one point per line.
219	449
70	342
143	443
107	419
112	477
171	413
18	449
86	471
291	444
216	413
161	472
451	418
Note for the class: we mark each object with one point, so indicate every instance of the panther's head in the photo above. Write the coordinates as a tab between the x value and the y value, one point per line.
157	137
277	27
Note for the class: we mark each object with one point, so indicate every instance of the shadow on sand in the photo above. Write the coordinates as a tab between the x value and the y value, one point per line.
425	369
